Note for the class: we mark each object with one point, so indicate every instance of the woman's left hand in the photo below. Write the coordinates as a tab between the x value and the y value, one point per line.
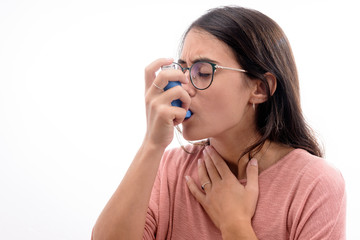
229	204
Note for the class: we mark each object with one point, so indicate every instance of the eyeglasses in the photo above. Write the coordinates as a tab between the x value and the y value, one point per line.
202	73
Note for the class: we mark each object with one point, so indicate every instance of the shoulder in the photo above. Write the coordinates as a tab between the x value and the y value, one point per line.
319	204
318	169
320	179
306	181
310	191
302	166
186	153
179	159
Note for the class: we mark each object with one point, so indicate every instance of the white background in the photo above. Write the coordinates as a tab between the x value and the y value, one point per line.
71	98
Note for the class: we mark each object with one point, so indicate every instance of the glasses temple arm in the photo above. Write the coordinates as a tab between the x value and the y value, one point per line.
228	68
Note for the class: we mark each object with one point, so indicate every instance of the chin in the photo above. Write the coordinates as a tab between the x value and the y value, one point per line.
193	135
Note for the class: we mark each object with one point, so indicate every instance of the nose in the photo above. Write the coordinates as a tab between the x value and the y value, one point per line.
188	86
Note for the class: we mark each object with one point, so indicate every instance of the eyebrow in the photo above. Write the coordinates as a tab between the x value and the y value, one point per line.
199	59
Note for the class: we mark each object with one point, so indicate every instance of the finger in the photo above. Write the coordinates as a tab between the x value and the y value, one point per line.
152	68
166	76
195	191
162	106
178	115
211	169
178	93
203	175
252	173
218	161
168	72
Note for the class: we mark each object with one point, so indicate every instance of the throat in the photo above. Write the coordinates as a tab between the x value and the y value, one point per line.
233	168
239	170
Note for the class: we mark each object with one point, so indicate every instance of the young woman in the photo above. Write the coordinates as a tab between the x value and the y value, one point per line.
260	175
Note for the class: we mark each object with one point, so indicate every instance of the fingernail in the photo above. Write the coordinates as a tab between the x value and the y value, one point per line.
199	161
207	148
187	178
253	162
205	151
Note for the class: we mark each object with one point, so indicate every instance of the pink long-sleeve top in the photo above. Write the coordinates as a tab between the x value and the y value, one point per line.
301	197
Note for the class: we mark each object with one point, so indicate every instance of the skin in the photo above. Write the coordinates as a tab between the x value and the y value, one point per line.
226	99
224	114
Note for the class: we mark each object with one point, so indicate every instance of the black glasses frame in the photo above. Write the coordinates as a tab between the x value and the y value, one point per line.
214	68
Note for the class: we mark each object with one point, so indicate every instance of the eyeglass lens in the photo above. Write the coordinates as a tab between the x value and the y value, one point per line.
201	74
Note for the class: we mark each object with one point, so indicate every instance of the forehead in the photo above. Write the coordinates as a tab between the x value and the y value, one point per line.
199	44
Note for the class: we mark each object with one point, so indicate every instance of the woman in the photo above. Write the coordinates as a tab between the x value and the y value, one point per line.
261	175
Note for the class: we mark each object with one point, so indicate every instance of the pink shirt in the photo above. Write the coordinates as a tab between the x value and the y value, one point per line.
301	197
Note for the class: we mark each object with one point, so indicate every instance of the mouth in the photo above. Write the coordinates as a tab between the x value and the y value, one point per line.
189	113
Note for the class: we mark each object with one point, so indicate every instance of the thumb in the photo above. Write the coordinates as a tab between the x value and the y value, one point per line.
252	172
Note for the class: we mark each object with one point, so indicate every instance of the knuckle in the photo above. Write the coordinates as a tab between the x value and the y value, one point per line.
177	90
149	101
162	110
148	70
164	74
147	97
160	74
152	104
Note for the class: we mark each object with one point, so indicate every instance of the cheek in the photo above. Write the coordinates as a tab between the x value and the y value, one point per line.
227	105
218	113
225	112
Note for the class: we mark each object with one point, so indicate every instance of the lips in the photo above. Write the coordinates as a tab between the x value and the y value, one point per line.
187	117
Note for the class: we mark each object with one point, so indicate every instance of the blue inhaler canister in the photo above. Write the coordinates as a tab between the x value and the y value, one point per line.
175	103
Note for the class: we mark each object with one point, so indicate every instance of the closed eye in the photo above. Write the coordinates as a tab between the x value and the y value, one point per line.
204	75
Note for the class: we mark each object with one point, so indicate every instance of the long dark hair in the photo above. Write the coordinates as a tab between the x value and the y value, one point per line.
261	46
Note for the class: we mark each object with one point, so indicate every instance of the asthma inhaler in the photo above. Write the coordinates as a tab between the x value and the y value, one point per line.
175	103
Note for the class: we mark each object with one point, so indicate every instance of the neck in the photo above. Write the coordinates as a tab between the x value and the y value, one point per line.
232	147
231	151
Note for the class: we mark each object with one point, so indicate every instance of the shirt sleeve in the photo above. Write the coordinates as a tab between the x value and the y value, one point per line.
323	211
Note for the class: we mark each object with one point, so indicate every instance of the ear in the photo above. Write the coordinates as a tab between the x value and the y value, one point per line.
259	94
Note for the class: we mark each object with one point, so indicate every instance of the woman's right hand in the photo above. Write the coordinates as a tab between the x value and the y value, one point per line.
160	114
118	220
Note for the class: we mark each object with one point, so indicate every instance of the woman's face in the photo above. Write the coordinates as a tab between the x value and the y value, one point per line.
224	108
